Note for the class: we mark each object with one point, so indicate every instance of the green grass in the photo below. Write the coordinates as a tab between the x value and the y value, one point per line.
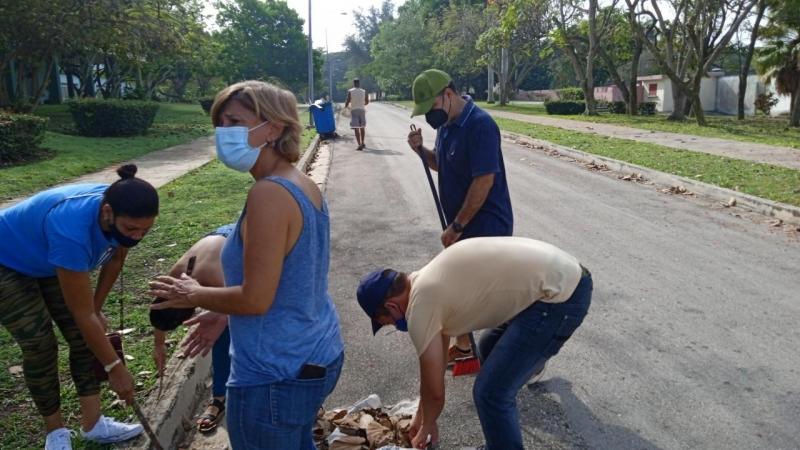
78	155
191	206
762	180
759	129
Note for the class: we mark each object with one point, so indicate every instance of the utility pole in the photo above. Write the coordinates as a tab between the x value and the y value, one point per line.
310	69
330	67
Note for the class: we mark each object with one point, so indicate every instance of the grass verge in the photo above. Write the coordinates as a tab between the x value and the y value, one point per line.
77	155
759	129
191	206
762	180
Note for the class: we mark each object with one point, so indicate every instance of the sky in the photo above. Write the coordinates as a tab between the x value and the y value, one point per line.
326	16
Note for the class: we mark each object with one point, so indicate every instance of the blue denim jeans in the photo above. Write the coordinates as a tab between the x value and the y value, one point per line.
221	363
279	415
509	355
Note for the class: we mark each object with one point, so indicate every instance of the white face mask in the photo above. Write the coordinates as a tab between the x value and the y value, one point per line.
233	148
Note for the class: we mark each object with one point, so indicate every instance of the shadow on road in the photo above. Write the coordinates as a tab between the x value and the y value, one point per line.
379	151
570	423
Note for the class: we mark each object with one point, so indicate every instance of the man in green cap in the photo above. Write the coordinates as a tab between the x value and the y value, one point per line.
469	162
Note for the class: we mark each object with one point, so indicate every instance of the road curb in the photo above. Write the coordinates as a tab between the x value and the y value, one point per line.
185	379
782	211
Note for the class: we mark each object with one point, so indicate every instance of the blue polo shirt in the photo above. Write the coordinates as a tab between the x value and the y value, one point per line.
467	148
58	227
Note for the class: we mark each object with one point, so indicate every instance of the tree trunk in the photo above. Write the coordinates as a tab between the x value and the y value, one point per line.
633	100
699	114
762	6
588	89
45	81
794	115
70	85
678	104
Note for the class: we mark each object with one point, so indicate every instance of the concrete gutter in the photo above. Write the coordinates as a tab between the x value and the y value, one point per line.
782	211
185	379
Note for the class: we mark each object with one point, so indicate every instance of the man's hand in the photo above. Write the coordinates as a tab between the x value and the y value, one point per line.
210	326
415	140
416	424
450	236
421	439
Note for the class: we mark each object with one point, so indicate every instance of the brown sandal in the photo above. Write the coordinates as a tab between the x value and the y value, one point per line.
212	419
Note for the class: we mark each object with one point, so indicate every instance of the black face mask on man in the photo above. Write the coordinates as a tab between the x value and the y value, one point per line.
437	117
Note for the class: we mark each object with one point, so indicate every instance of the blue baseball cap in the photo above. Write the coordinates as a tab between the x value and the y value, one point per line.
372	292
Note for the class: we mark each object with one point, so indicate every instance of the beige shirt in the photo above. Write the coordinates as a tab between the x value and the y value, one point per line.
484	282
357	98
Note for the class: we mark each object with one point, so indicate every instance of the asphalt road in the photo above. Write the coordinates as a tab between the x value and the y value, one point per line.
692	339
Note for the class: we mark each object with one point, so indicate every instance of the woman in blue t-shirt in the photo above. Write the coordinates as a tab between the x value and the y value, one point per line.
51	243
286	349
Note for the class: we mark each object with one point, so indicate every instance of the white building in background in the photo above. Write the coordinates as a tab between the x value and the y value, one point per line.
718	93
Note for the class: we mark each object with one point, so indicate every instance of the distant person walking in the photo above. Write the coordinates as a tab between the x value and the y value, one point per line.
357	101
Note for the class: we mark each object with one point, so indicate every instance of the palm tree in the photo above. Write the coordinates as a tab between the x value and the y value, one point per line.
779	59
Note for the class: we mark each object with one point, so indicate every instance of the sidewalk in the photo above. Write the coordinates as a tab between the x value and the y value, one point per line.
158	168
750	151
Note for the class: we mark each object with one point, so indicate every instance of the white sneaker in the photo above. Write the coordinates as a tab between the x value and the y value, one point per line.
109	431
58	439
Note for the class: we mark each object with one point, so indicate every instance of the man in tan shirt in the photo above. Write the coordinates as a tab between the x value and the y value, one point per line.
357	101
530	294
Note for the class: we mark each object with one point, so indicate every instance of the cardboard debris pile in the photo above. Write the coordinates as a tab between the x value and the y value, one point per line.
366	425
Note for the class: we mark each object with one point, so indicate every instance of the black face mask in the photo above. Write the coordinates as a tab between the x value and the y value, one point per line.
120	238
437	117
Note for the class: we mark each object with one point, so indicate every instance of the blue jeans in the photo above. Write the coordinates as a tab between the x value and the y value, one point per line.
509	355
221	363
279	415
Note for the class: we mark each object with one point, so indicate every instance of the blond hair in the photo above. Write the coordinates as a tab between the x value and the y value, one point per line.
268	102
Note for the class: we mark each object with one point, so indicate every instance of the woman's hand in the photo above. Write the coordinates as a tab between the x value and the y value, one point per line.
121	382
177	292
201	339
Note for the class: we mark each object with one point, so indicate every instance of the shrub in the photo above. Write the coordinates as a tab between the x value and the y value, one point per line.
647	108
617	107
112	117
20	137
564	107
206	103
765	102
571	94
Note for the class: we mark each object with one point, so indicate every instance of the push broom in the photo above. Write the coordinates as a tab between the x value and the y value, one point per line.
470	364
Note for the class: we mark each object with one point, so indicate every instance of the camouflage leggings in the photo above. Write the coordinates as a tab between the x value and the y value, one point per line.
28	307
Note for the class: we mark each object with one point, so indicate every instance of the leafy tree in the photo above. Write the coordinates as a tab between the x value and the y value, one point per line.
687	38
263	39
779	59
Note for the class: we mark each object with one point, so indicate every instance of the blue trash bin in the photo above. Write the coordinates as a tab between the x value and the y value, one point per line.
324	121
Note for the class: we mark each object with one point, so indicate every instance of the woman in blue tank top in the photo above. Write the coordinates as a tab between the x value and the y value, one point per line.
286	349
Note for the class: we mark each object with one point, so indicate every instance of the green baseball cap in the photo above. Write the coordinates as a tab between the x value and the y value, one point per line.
426	87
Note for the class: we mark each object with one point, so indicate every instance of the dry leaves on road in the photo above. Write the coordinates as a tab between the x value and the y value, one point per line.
368	429
678	190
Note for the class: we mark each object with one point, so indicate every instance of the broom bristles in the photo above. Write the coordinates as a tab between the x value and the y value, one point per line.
466	366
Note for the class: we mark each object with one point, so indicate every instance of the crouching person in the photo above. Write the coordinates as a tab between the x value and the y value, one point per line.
530	294
207	270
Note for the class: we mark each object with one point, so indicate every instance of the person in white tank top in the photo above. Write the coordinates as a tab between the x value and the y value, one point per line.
357	101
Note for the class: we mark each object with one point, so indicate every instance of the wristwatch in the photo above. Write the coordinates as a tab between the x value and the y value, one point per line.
457	227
